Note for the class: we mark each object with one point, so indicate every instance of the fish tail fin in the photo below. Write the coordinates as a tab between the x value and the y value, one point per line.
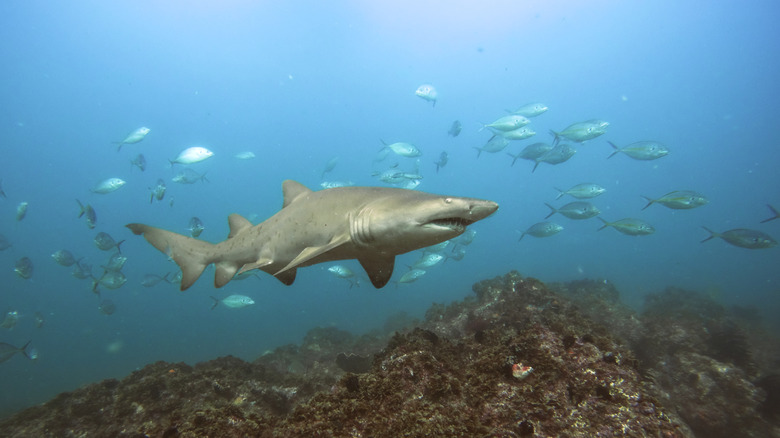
554	210
190	254
556	137
560	194
216	302
24	350
117	246
521	236
203	178
774	211
482	126
479	151
606	224
712	234
81	206
165	277
617	150
514	158
649	202
535	166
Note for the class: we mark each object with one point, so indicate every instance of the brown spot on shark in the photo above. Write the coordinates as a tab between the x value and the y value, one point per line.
370	224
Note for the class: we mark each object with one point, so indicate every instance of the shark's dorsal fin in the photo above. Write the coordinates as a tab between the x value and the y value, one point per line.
237	224
379	268
293	190
314	251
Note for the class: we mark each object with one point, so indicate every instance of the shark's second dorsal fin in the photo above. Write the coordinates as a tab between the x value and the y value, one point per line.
293	190
237	224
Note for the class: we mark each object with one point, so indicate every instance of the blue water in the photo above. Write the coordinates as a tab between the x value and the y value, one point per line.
298	83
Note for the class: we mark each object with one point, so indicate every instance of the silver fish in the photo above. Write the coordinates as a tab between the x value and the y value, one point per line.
575	210
108	185
519	133
82	270
329	166
21	210
443	158
116	262
407	150
91	216
428	260
629	226
427	92
531	152
4	243
196	227
341	271
582	191
557	155
39	320
334	184
507	123
110	280
744	238
133	137
139	161
582	131
411	276
455	128
679	200
152	279
192	155
189	176
246	155
530	110
24	268
64	257
107	307
10	319
542	229
158	191
641	150
105	242
457	254
496	143
233	301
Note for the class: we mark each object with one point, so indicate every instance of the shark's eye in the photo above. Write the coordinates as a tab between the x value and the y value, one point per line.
448	200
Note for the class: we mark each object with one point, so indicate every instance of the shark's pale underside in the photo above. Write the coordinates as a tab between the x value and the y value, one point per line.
370	224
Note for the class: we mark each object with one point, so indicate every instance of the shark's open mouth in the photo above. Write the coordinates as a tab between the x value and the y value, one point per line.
455	223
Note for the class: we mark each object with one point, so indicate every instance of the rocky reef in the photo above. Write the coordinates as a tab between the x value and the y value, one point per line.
517	359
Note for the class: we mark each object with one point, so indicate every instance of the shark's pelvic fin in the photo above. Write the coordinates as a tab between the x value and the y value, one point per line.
379	268
188	253
292	190
237	224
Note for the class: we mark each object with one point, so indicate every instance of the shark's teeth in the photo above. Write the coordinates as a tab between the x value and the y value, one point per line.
451	222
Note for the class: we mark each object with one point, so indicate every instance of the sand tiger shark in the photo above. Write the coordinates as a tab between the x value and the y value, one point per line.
370	224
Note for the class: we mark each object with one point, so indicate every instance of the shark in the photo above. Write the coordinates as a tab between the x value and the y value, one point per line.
370	224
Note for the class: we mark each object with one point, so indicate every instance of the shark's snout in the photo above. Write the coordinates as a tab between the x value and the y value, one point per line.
481	209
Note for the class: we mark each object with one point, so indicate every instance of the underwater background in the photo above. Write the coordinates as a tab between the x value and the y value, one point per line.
299	83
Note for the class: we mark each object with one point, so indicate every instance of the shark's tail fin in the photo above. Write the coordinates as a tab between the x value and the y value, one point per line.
192	255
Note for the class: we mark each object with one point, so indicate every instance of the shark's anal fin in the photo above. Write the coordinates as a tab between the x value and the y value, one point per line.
379	268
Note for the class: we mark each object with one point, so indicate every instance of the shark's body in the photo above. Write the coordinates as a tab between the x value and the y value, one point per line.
370	224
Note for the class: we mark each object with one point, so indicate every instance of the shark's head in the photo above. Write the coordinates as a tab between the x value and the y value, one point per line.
399	224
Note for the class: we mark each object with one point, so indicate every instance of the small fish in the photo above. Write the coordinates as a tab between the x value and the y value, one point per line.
64	257
21	210
196	227
8	351
774	212
91	216
10	319
455	128
152	279
407	150
427	92
110	280
428	260
116	262
105	242
443	158
189	176
457	254
629	226
581	131
108	185
410	276
192	155
139	161
744	238
107	307
133	137
341	271
557	155
4	243
39	320
82	270
24	268
641	150
530	110
679	200
158	191
496	143
542	229
507	123
334	184
466	238
582	191
2	193
575	210
233	301
531	152
329	166
519	133
246	155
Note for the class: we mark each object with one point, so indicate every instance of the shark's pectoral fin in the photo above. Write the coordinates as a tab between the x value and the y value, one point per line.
315	251
260	263
379	268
